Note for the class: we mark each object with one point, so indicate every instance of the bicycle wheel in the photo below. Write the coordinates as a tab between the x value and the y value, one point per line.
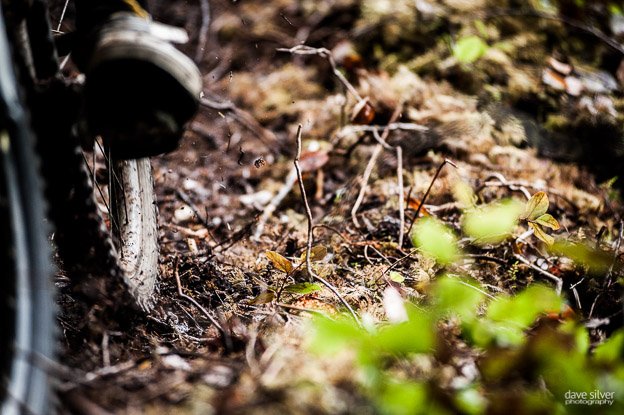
26	292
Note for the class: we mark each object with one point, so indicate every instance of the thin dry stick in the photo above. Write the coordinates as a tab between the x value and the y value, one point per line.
186	199
422	201
371	164
476	289
506	183
311	236
402	126
274	203
296	308
558	281
324	53
204	30
399	152
194	302
58	28
394	264
365	177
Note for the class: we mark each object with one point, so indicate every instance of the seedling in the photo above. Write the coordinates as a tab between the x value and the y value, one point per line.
536	217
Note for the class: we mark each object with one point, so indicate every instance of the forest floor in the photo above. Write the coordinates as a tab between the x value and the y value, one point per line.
238	154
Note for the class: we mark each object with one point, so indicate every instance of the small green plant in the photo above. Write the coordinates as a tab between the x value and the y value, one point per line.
536	217
289	268
469	49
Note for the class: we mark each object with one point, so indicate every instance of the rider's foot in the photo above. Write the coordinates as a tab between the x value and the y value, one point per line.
140	89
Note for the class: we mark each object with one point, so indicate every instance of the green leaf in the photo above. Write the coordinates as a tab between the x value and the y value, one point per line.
279	262
598	261
402	398
540	234
492	224
456	296
471	401
520	311
547	221
331	336
264	298
536	206
413	336
396	277
612	350
436	240
317	253
468	49
485	333
302	288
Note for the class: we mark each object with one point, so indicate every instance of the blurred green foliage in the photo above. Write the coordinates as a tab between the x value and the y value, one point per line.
524	357
434	239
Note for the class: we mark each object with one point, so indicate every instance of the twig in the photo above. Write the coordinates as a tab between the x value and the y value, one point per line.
334	230
366	255
311	236
297	308
236	237
105	350
186	199
399	152
204	30
486	258
506	183
58	28
403	126
194	302
393	265
591	310
422	201
558	281
381	140
519	185
371	164
477	289
324	53
291	179
367	172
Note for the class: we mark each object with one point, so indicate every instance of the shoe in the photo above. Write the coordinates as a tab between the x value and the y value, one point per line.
140	90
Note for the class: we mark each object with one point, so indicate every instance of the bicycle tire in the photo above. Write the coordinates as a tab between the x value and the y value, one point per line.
136	239
27	329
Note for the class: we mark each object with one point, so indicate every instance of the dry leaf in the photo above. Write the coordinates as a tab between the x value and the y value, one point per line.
317	253
313	160
540	234
547	221
279	262
264	298
536	206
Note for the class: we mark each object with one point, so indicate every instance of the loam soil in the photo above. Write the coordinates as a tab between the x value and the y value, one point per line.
238	154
